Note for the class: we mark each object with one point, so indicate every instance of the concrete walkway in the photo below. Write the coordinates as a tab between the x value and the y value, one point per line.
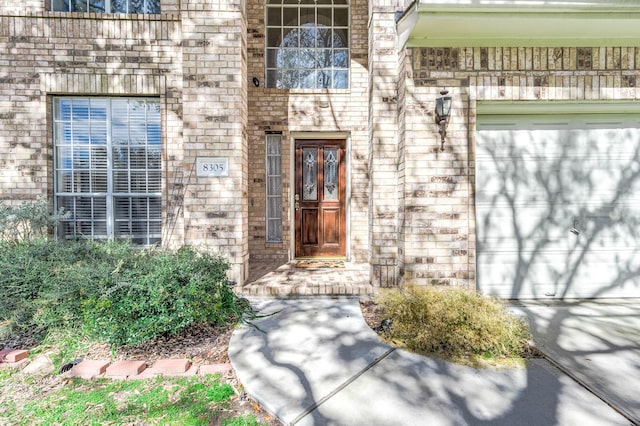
596	342
316	362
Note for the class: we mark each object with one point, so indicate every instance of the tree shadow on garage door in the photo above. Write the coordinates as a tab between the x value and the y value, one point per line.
558	212
558	218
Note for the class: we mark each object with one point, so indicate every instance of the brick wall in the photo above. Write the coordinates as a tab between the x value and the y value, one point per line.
215	119
192	58
412	206
197	57
293	112
383	143
45	53
439	238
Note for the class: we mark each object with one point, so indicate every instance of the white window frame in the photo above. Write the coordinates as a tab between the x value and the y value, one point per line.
59	6
85	175
272	72
273	152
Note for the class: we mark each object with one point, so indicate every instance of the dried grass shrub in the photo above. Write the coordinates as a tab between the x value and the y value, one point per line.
453	323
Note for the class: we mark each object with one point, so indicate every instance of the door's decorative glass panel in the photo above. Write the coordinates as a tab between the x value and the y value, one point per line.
330	173
310	174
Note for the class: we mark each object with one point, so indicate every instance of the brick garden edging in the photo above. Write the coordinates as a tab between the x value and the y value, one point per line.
123	370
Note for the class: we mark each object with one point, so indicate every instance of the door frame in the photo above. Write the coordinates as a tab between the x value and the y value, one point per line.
293	136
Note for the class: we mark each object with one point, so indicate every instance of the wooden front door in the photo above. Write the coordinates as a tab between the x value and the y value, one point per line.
320	198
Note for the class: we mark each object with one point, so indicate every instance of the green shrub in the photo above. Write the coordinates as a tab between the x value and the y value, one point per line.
116	292
44	282
452	323
27	221
160	293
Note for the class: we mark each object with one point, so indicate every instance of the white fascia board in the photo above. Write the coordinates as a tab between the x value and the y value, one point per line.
464	23
599	108
406	24
548	6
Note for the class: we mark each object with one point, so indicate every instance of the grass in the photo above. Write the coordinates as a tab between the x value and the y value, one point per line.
67	296
63	345
161	401
455	324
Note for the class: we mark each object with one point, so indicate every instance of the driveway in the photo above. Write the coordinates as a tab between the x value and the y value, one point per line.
595	342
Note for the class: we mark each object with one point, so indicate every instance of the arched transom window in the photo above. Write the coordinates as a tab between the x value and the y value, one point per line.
307	44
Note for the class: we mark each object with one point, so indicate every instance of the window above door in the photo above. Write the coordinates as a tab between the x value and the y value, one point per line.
307	44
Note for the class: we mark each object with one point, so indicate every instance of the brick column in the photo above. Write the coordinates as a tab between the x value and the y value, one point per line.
437	193
383	143
215	121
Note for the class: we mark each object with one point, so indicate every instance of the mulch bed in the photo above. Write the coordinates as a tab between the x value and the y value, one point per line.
203	344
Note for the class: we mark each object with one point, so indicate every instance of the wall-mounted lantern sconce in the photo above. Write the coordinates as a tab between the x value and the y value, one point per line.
443	112
255	81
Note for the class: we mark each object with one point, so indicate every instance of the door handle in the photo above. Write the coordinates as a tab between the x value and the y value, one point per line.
575	230
296	205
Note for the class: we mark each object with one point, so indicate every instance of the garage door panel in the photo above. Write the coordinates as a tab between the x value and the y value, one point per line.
563	228
558	209
501	230
558	274
556	165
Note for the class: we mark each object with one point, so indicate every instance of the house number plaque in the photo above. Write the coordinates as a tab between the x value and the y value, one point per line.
212	166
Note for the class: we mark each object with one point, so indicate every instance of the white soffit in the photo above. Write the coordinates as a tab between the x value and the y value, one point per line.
544	23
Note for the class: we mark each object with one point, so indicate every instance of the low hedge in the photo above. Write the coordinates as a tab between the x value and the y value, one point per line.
114	291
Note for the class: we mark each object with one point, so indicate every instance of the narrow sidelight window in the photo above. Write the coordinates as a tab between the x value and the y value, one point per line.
274	188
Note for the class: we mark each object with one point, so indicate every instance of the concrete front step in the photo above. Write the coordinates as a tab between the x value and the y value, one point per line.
285	279
318	289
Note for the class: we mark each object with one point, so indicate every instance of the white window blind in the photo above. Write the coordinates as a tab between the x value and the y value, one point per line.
107	155
108	6
274	187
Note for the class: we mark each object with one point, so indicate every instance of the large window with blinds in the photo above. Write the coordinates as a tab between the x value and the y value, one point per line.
107	156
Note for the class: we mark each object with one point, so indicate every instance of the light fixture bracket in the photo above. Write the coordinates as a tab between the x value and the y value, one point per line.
442	114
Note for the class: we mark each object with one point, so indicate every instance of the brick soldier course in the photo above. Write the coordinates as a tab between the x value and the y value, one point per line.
123	369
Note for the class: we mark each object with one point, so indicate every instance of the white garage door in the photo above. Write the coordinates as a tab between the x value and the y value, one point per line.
558	206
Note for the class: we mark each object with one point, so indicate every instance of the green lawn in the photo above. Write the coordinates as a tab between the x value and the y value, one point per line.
163	401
